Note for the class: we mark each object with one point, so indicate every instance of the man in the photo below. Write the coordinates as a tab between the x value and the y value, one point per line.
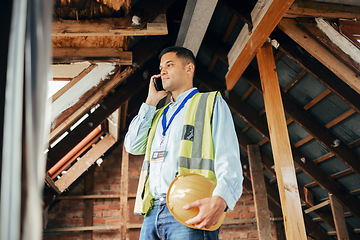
165	137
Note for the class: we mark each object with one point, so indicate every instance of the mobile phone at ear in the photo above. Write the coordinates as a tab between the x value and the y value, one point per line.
158	84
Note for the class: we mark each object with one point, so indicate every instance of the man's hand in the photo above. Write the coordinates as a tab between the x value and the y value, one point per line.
154	96
210	211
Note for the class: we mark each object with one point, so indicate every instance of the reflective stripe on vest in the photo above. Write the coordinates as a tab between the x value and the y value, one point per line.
196	147
196	153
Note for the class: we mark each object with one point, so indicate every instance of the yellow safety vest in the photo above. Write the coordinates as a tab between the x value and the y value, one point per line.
196	153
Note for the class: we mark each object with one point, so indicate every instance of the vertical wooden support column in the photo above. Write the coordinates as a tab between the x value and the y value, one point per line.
89	204
280	144
124	189
339	219
259	192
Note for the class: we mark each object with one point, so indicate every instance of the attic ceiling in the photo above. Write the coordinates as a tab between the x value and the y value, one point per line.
114	46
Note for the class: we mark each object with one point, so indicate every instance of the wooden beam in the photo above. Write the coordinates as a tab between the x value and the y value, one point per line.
84	163
66	55
334	41
124	191
259	193
312	9
317	70
106	27
88	203
195	21
266	15
305	40
339	219
280	143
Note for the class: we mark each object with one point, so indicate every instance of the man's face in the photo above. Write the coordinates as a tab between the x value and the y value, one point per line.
173	72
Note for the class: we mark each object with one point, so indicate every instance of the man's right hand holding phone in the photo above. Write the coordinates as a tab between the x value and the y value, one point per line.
154	96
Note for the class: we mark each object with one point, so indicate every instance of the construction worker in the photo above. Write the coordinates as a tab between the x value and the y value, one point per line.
194	133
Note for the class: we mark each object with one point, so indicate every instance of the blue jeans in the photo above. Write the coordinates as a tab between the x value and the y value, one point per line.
159	224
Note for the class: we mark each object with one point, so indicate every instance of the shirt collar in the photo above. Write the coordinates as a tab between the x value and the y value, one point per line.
181	96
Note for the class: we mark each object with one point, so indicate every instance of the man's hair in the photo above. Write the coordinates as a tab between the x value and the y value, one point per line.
181	52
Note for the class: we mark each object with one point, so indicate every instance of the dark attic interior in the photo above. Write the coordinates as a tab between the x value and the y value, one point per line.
289	71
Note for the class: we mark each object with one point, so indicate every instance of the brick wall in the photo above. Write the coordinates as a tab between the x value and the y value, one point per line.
107	177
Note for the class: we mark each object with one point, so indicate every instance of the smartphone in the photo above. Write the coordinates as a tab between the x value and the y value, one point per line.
158	84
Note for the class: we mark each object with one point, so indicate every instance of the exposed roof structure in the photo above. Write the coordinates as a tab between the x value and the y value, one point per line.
106	50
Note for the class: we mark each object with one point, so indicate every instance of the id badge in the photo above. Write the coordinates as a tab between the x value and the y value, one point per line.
158	156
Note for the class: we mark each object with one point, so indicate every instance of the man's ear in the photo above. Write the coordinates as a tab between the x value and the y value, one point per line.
190	68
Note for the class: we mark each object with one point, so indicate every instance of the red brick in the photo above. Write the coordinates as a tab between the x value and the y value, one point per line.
99	221
111	221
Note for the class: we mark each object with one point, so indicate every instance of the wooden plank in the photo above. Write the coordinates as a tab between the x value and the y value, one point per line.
84	163
305	40
280	143
321	9
320	205
317	70
259	192
106	27
339	219
124	190
294	81
114	124
123	116
73	82
266	15
69	54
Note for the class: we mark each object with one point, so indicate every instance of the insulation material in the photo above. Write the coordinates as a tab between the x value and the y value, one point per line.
72	96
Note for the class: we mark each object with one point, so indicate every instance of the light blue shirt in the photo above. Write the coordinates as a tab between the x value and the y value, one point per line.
227	156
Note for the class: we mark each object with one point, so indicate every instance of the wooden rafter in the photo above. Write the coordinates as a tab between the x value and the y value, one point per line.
311	125
67	118
84	163
321	9
317	70
335	42
265	15
309	167
108	106
306	41
70	55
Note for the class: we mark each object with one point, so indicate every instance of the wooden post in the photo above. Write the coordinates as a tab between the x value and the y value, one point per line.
339	219
259	192
280	144
89	204
124	188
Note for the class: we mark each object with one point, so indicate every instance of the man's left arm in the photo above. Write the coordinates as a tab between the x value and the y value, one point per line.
227	169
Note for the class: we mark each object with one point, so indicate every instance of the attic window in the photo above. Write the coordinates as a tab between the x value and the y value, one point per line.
351	29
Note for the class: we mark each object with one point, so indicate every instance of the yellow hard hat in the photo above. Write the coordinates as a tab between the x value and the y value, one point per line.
188	188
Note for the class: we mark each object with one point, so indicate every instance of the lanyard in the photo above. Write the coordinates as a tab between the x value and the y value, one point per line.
165	127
